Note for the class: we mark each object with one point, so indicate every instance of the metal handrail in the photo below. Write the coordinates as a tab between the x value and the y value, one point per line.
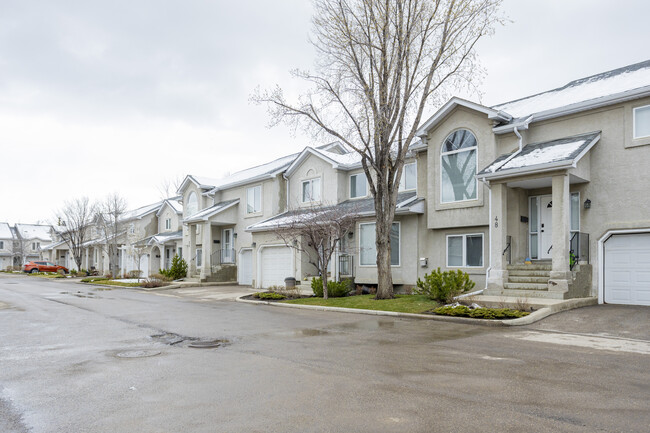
579	248
549	250
508	249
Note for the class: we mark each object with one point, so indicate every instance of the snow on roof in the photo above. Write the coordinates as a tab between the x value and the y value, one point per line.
597	86
141	211
359	207
162	238
210	211
5	231
537	154
346	159
34	231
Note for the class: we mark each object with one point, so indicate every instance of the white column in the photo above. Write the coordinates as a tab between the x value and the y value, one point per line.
499	230
206	242
192	251
560	273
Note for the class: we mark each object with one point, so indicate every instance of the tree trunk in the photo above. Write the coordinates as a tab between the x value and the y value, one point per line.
324	277
384	273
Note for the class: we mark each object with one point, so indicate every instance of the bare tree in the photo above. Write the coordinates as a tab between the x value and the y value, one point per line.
138	251
317	232
380	63
74	220
109	218
169	186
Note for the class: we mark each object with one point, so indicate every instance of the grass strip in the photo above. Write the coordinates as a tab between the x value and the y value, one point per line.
400	303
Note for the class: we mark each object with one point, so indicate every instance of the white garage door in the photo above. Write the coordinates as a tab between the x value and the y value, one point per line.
246	267
276	265
627	269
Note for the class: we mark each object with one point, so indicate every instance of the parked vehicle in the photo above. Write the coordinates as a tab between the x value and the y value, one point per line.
43	267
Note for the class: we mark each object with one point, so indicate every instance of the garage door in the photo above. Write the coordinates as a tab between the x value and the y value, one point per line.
627	269
246	267
276	266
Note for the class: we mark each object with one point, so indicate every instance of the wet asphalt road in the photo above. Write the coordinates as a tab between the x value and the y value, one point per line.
289	370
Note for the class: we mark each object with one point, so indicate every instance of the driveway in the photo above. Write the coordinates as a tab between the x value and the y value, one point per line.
84	359
208	293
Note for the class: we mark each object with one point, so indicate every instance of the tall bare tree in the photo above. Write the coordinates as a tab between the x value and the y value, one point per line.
317	232
74	221
380	63
169	186
110	219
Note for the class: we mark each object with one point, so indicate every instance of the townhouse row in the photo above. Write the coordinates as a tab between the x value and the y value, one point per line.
542	196
22	243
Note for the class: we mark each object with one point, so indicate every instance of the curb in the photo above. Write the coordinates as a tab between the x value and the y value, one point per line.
540	314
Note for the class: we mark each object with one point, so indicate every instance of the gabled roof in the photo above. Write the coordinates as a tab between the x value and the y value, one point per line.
346	161
555	154
407	202
161	238
5	231
611	87
589	89
34	231
173	204
52	246
206	213
451	105
141	212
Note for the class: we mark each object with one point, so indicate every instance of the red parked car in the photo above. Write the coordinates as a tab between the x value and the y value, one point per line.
43	267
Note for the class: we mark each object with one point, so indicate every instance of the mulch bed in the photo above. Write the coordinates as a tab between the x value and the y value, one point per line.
252	298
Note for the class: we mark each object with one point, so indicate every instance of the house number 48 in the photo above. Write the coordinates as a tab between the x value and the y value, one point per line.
496	222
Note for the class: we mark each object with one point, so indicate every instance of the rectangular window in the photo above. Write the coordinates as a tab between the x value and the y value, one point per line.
368	250
2	245
254	199
311	190
358	185
458	176
575	211
409	177
465	251
168	224
641	122
199	257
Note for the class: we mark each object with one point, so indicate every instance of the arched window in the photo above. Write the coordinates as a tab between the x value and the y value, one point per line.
192	206
458	167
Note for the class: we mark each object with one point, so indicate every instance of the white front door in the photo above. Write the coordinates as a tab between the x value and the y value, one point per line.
545	227
226	252
246	267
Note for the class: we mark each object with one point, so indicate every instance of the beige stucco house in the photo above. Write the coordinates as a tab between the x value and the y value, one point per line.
558	179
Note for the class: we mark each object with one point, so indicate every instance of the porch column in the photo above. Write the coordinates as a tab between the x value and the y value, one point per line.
560	273
87	267
192	252
206	242
499	230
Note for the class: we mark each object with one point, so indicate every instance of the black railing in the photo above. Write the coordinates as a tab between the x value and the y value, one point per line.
508	249
346	265
223	256
578	248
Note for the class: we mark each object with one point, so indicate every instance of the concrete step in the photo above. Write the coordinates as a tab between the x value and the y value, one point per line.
532	294
529	273
528	279
525	286
533	267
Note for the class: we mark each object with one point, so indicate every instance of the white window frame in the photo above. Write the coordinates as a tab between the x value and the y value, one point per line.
466	149
464	244
168	223
2	245
132	229
634	137
399	237
350	183
187	207
199	257
402	182
255	209
311	186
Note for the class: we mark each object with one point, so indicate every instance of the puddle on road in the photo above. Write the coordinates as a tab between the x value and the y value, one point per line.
129	354
80	294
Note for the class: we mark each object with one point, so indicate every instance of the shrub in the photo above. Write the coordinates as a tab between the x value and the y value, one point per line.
480	313
150	283
134	274
161	277
177	270
444	286
269	295
335	289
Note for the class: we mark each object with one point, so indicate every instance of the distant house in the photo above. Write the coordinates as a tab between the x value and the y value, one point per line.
29	238
6	246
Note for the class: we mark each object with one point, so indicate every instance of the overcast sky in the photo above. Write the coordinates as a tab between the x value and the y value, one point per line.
98	97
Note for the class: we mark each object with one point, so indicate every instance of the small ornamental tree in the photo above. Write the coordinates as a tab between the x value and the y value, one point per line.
177	270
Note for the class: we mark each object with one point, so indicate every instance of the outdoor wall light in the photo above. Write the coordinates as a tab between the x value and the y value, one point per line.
350	235
587	204
234	235
254	244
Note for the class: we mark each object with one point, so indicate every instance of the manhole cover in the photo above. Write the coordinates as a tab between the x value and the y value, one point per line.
209	344
138	353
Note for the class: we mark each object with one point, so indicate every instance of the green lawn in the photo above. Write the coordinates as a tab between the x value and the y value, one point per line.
400	304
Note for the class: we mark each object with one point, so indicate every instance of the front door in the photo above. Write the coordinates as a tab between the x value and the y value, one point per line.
226	252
